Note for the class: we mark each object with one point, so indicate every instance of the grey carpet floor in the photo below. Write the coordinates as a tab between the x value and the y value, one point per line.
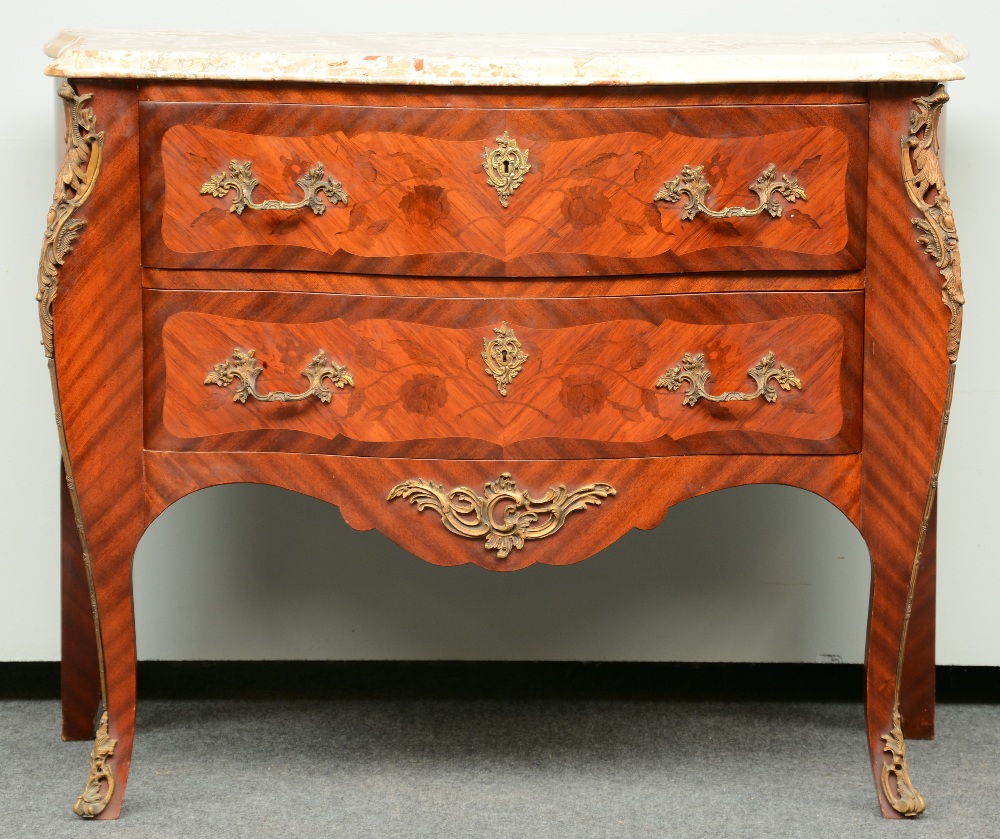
482	769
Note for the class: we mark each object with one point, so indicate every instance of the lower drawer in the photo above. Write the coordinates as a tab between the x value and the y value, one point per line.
504	378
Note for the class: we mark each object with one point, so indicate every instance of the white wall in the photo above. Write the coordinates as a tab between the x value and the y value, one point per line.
757	574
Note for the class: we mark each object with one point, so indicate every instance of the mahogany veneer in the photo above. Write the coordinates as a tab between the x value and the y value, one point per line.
402	285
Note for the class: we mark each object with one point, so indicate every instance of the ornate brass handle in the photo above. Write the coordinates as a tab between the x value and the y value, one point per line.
691	182
507	516
246	370
692	370
241	180
505	166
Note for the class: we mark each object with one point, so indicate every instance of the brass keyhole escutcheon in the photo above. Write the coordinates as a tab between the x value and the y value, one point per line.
505	166
503	356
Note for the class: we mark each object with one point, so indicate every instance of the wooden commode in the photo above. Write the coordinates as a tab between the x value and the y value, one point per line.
503	300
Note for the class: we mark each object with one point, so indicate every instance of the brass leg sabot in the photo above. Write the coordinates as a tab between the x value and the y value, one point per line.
896	784
101	781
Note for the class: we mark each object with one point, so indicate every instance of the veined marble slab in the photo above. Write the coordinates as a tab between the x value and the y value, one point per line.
536	59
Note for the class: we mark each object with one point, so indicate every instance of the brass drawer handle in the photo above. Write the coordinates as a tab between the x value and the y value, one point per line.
692	370
691	182
506	517
246	370
242	180
505	166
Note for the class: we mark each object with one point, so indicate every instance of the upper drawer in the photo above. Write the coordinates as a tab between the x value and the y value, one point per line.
418	200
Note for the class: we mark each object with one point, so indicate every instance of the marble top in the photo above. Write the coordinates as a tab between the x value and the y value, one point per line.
536	59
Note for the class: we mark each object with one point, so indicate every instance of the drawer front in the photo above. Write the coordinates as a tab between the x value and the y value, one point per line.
510	379
413	196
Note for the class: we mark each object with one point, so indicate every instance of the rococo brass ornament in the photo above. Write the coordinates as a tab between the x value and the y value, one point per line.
692	370
241	180
247	370
506	517
904	798
93	801
691	182
925	186
503	356
76	181
505	166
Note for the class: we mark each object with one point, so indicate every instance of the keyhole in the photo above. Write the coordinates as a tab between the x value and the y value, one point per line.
503	356
506	171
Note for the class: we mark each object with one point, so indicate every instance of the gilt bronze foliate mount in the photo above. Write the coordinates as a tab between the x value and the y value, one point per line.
76	181
926	189
505	516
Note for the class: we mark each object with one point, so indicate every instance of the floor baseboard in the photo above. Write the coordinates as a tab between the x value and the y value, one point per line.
501	680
